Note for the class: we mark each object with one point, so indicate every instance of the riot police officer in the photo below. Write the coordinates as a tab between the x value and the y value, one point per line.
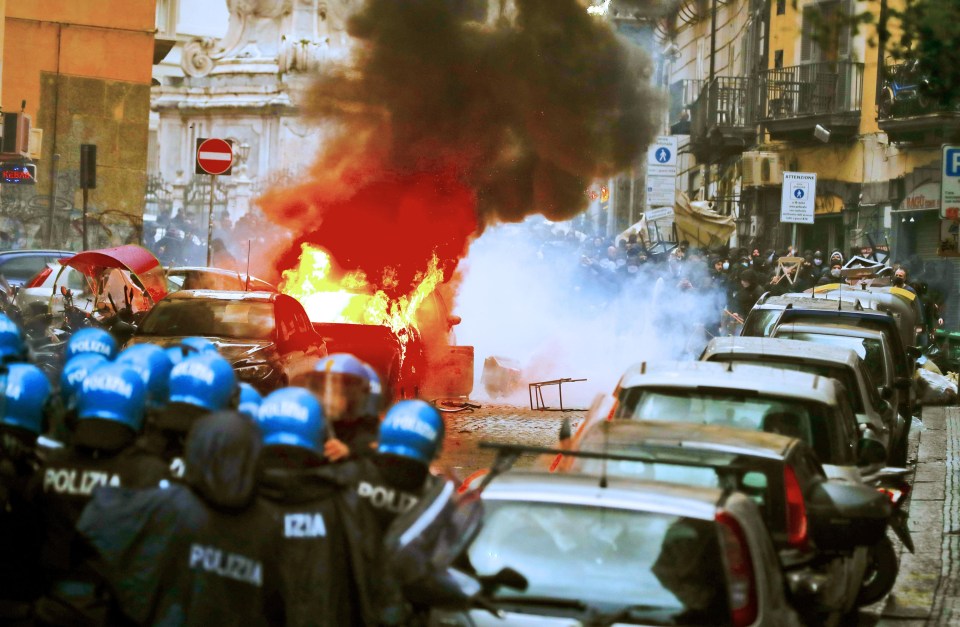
321	555
71	380
12	347
250	400
341	383
201	551
25	394
200	384
91	340
102	453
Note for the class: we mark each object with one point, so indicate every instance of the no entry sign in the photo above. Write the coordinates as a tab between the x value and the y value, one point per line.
214	156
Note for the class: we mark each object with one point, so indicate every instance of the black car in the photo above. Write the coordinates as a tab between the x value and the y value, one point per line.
266	336
19	266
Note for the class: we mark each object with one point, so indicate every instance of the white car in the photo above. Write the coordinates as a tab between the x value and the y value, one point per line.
42	293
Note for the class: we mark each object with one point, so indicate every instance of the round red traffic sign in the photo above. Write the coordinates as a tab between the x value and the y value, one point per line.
215	156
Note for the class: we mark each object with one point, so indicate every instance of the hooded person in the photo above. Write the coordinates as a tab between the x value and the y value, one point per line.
201	383
748	293
197	552
25	391
342	384
324	541
110	410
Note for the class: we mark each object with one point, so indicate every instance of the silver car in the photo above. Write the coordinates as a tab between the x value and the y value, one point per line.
836	362
612	551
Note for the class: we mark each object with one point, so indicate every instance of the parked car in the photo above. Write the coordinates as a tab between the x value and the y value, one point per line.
205	278
900	303
809	407
823	557
839	363
39	294
266	336
599	551
871	346
19	266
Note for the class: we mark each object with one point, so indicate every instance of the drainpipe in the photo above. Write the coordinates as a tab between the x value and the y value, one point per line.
55	157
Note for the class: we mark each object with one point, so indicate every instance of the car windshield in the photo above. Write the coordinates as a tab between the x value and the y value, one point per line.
760	322
870	350
750	411
606	558
841	373
223	318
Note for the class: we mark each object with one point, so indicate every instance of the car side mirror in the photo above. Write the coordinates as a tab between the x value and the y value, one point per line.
843	516
504	578
870	452
903	383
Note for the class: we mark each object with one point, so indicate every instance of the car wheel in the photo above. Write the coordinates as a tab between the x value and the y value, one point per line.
880	574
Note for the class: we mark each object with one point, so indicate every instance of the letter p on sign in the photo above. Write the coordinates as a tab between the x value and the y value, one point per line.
953	162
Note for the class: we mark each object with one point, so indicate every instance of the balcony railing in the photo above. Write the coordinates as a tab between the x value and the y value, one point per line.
683	94
903	94
810	90
725	103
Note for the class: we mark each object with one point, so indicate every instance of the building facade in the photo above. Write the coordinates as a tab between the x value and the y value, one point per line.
81	77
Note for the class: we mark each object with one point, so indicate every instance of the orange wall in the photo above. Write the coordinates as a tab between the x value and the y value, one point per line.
109	39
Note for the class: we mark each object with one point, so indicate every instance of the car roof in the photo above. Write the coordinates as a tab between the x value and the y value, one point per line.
39	252
799	349
832	328
207	269
799	302
577	488
691	437
265	297
765	380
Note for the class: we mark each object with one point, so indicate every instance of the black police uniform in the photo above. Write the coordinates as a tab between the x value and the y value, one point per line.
20	529
202	552
166	433
103	454
322	553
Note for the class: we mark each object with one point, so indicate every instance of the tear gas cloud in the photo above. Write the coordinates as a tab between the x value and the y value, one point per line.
538	304
457	114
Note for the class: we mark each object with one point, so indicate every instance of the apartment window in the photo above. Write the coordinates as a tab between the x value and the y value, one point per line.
781	7
825	35
778	59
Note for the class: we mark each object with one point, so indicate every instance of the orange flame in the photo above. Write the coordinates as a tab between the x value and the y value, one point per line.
351	298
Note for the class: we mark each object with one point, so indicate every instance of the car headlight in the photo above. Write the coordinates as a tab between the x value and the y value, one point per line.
254	371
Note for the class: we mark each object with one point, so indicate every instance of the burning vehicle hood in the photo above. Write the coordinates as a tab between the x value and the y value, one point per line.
233	350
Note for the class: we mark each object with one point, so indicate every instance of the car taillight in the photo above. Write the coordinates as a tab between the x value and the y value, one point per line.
896	495
38	280
742	587
796	510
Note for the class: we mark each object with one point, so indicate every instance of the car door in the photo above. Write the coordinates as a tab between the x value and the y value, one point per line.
300	347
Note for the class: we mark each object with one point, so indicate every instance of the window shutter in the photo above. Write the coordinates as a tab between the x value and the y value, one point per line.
806	35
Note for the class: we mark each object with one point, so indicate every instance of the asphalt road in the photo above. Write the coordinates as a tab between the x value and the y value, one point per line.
925	580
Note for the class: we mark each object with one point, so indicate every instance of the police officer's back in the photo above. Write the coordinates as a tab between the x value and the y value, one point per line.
102	453
25	391
200	552
321	552
201	383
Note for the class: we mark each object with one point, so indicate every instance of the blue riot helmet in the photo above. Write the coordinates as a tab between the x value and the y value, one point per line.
190	346
91	341
73	374
204	380
25	394
292	417
154	366
115	393
375	400
11	340
250	400
342	385
412	429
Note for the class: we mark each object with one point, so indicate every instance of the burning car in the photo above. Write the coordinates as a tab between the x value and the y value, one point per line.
408	339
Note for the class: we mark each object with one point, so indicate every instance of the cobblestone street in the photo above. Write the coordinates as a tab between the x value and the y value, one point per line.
927	592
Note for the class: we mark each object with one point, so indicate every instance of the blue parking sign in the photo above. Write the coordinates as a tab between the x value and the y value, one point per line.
950	183
952	161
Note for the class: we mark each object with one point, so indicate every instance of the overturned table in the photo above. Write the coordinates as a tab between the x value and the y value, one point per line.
535	390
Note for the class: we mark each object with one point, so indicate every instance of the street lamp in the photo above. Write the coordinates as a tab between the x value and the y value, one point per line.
244	152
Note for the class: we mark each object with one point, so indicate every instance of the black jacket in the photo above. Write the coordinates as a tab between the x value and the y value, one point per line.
20	527
325	549
199	553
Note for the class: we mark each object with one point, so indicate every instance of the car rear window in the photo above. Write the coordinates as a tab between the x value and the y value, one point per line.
222	318
760	322
841	373
868	349
608	558
22	267
753	412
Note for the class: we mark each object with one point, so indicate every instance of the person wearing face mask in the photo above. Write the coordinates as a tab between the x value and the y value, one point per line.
831	276
900	280
818	269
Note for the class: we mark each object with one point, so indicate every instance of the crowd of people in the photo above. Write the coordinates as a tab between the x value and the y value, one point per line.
150	487
730	280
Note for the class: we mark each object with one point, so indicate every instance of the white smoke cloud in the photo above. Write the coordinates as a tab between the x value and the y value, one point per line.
535	303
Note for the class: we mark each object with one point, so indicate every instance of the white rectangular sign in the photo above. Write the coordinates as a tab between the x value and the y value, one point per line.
796	202
658	214
663	152
950	183
661	190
